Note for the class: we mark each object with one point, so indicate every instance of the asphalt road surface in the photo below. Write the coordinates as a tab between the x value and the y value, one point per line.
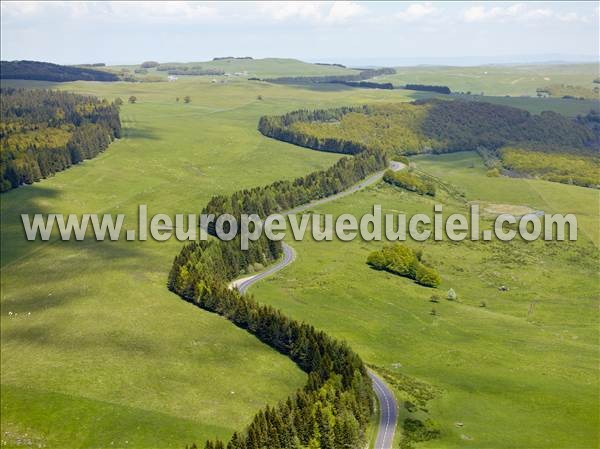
388	413
288	257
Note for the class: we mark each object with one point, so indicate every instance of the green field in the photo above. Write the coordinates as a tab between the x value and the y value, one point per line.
508	79
97	350
514	379
97	353
244	68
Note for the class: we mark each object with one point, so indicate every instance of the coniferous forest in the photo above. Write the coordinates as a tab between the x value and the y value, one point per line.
44	132
438	126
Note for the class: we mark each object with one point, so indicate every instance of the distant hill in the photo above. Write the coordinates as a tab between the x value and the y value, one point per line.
46	71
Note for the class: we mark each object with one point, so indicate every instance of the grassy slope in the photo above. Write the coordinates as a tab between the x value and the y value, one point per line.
108	354
267	67
514	381
500	79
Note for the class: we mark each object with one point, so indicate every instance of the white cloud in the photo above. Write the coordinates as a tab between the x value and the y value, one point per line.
316	12
341	12
517	12
281	11
161	12
141	12
573	17
417	11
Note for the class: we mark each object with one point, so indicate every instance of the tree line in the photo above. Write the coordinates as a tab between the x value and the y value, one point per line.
46	71
440	126
285	195
362	75
281	128
334	407
365	84
428	88
45	131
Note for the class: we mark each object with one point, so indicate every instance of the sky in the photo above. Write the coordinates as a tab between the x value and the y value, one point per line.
375	33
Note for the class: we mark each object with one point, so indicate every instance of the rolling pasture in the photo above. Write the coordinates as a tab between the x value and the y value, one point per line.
95	349
515	368
506	79
96	352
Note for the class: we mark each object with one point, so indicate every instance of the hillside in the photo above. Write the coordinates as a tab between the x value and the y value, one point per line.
236	67
435	126
108	354
46	71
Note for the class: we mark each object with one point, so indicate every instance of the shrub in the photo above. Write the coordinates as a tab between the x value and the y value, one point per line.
410	181
377	260
493	173
415	430
399	259
403	261
427	276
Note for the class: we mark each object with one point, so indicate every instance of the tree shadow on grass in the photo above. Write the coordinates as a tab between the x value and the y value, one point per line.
323	87
139	133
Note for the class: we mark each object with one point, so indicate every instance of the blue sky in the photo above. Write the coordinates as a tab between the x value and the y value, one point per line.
347	32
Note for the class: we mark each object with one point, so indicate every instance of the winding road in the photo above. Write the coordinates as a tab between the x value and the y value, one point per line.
388	413
388	408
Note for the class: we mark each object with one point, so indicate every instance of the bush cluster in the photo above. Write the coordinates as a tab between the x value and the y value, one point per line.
410	181
403	261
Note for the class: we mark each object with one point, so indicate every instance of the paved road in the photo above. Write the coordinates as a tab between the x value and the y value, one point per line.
395	166
288	257
388	410
388	413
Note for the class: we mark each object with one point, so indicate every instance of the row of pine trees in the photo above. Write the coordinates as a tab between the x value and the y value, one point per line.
334	407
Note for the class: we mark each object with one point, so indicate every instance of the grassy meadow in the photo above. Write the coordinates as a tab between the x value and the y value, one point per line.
504	79
96	352
515	368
